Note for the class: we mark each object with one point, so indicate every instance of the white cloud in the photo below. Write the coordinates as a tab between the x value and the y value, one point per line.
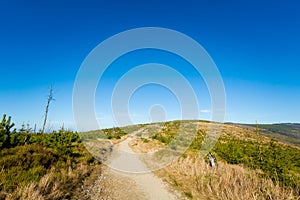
205	111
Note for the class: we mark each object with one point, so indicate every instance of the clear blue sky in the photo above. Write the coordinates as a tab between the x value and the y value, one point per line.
255	45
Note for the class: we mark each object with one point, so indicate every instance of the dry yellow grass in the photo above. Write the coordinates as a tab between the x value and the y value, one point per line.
145	147
49	187
197	180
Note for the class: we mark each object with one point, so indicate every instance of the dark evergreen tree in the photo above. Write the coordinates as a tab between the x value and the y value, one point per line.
5	131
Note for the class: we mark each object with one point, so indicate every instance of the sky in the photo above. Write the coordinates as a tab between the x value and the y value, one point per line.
254	44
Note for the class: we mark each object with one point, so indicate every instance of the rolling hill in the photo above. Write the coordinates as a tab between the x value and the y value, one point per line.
284	132
251	164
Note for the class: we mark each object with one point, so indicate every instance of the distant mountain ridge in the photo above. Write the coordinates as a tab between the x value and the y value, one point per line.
284	132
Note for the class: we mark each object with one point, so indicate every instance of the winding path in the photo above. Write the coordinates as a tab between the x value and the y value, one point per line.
122	182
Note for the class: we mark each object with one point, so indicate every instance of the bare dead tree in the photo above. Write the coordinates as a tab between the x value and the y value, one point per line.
34	130
50	98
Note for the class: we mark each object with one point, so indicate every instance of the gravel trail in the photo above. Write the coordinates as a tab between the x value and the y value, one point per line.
120	181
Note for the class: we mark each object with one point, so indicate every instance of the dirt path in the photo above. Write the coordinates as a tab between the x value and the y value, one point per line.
127	177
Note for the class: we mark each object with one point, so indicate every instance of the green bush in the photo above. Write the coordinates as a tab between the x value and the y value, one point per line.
116	133
168	132
145	140
62	141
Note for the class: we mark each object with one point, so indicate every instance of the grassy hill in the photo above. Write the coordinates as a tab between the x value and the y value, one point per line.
251	164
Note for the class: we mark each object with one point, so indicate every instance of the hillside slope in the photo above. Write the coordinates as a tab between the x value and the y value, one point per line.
251	165
284	132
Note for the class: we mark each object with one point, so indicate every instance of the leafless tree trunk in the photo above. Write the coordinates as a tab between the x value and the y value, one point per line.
34	130
50	98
